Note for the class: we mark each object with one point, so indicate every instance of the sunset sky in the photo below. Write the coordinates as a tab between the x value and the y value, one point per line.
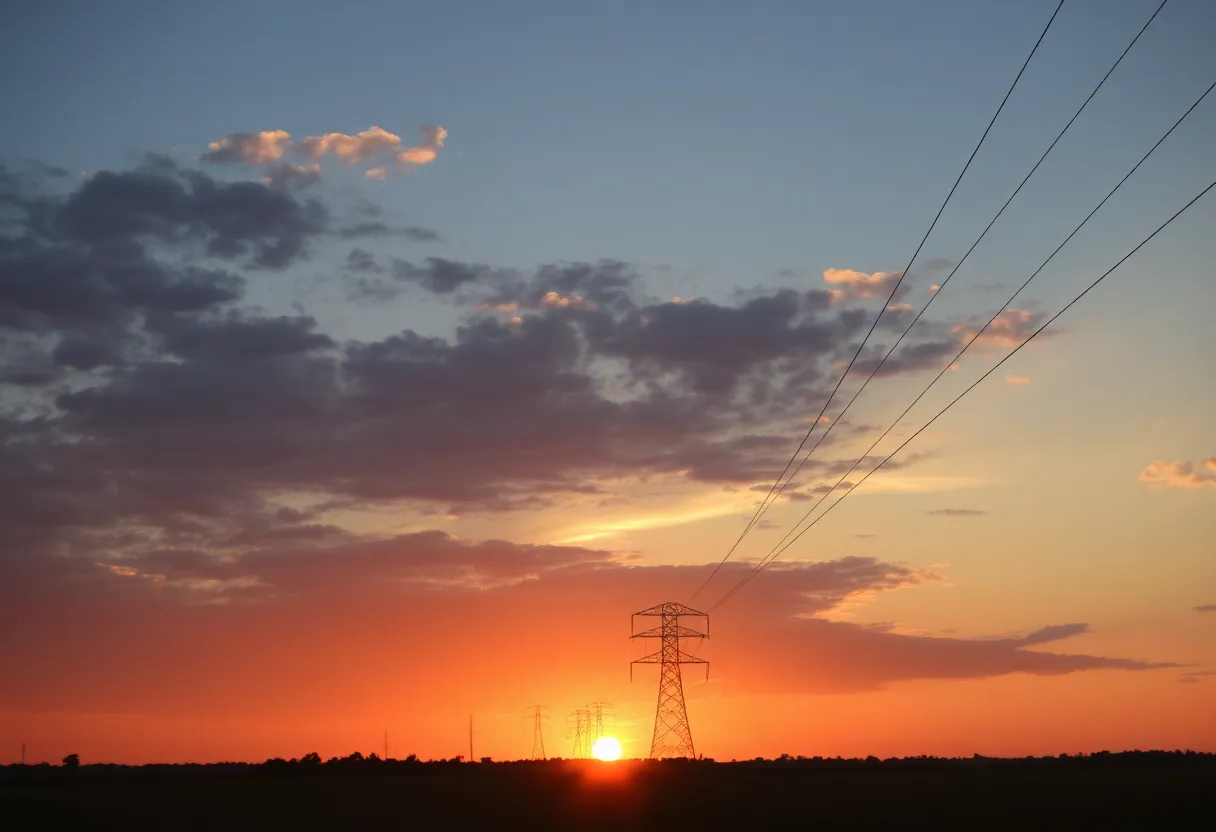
363	367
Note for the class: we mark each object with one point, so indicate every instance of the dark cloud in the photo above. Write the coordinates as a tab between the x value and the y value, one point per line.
1055	632
89	351
156	407
261	226
362	260
935	264
438	275
291	177
713	347
374	229
957	512
909	358
1206	608
44	169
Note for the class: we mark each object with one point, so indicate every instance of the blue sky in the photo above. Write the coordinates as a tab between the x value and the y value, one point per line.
737	139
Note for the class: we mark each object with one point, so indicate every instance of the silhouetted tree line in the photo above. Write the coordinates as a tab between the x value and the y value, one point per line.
359	762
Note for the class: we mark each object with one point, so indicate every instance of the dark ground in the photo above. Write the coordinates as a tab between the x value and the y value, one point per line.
1140	790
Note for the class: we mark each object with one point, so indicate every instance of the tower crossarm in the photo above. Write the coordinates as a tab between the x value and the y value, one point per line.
677	630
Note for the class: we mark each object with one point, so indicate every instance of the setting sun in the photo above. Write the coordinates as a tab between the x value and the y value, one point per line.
606	748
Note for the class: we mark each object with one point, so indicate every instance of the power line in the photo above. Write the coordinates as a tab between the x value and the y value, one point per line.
776	488
977	334
1020	289
773	556
873	373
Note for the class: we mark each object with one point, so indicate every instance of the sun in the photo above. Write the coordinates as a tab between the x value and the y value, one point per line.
606	749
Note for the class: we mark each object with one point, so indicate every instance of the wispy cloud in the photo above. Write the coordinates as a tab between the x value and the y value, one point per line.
374	146
1017	379
1007	330
423	153
1206	608
1180	474
958	512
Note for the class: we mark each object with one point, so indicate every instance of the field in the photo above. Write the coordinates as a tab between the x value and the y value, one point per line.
1161	789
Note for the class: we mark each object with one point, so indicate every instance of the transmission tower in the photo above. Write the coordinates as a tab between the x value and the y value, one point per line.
580	729
595	719
538	713
672	736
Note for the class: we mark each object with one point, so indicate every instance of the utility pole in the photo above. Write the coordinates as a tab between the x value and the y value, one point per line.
538	733
22	753
386	743
672	735
470	738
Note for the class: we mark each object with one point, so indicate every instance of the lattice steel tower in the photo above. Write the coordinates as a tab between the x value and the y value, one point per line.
672	736
581	731
538	731
595	720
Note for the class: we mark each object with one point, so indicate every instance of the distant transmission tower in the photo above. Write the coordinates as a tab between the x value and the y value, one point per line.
580	729
537	712
595	719
672	736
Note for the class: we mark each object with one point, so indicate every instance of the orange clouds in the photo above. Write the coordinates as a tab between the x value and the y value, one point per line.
350	149
1007	330
851	285
556	301
433	137
375	144
1017	379
259	148
1179	474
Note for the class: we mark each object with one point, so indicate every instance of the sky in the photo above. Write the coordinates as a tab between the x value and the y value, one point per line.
363	369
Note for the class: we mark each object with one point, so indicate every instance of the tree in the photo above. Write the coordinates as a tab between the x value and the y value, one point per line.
71	761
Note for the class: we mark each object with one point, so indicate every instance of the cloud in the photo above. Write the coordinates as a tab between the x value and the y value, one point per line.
153	400
180	466
350	149
259	148
1007	330
374	229
1179	474
1017	379
423	153
1206	608
169	629
936	264
267	148
1056	632
360	260
233	221
439	275
958	512
849	285
289	176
